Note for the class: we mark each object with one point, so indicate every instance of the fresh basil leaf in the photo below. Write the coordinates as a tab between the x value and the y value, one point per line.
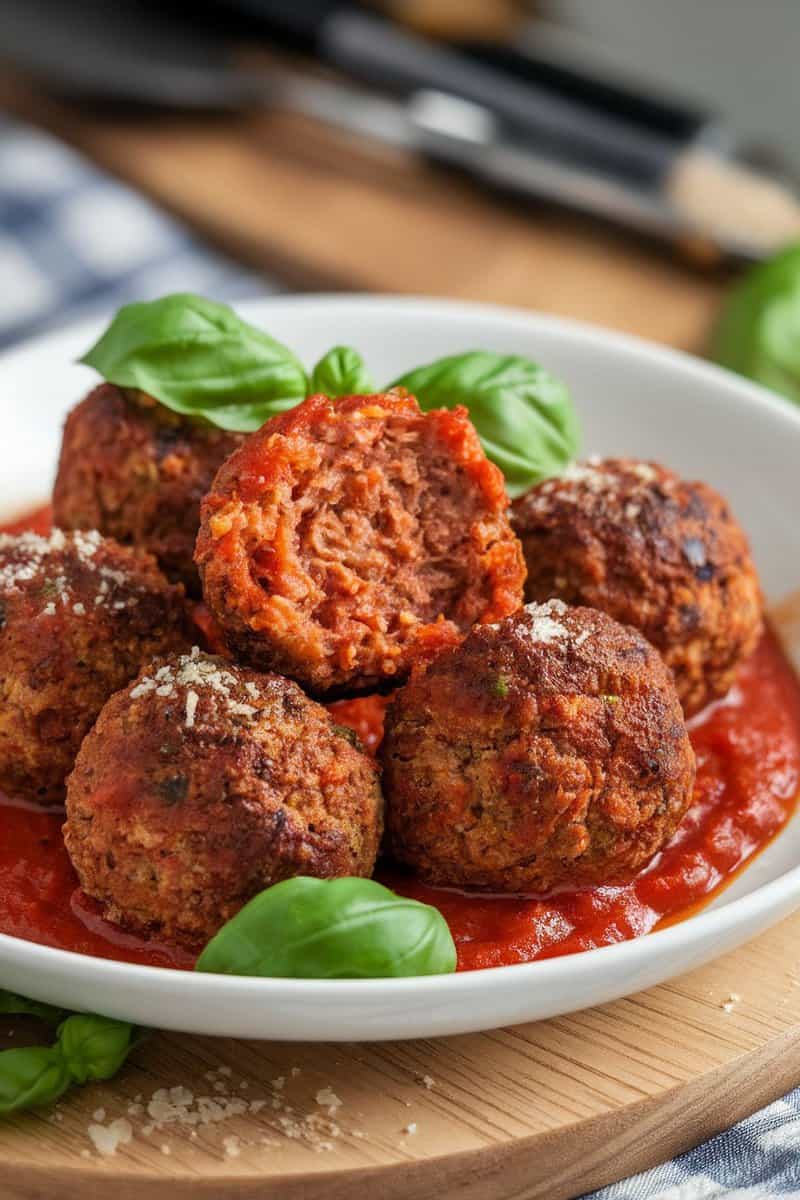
342	372
18	1006
197	357
331	929
31	1076
758	333
86	1047
524	415
94	1047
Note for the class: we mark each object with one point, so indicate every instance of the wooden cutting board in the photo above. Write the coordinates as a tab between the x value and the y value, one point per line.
545	1110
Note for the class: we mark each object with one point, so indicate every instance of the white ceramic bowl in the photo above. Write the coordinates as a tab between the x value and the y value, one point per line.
634	398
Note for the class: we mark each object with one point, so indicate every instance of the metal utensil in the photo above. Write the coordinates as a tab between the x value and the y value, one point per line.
444	105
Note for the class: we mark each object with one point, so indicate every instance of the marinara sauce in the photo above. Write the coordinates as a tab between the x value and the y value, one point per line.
748	776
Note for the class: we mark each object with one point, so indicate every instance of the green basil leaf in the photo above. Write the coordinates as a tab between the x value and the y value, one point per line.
197	357
758	333
524	415
86	1047
13	1005
31	1076
94	1047
342	372
331	929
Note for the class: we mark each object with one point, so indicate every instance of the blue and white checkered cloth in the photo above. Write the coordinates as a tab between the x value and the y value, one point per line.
73	241
758	1159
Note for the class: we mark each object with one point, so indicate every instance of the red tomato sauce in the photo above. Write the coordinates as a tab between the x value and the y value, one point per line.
40	521
748	757
748	777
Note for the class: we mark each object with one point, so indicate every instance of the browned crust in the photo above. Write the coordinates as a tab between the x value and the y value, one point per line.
653	551
179	810
514	764
62	654
137	472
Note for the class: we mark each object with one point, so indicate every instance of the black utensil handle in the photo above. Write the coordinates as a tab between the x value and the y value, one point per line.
665	117
381	54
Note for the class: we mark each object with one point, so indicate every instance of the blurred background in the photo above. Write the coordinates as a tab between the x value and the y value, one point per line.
621	161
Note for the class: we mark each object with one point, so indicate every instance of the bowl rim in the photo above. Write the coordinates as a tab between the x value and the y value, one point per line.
698	928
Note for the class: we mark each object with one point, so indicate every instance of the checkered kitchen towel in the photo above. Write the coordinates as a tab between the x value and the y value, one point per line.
758	1159
73	241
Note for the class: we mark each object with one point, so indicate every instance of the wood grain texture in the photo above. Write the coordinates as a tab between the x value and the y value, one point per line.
544	1110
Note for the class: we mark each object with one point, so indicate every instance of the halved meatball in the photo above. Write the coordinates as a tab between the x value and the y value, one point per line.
547	751
653	551
201	784
348	538
137	472
79	615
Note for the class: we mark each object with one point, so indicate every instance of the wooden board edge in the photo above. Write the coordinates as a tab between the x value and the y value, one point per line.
555	1165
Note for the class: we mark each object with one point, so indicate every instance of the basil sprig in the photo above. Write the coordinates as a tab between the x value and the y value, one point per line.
758	333
342	372
85	1048
197	357
347	928
523	414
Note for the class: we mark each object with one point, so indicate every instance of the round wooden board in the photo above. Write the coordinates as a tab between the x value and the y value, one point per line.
551	1109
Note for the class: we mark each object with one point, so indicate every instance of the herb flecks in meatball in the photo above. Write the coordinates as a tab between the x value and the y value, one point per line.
347	539
653	551
547	751
80	615
203	783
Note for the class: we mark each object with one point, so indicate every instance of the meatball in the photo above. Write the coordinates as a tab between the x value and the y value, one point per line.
346	539
137	472
547	751
79	615
653	551
203	783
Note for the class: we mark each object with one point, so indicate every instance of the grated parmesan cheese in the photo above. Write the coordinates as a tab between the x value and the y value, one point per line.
542	626
178	1110
327	1098
106	1139
588	475
201	676
599	485
192	699
31	557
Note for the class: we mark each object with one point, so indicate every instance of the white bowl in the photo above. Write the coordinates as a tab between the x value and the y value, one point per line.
634	398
